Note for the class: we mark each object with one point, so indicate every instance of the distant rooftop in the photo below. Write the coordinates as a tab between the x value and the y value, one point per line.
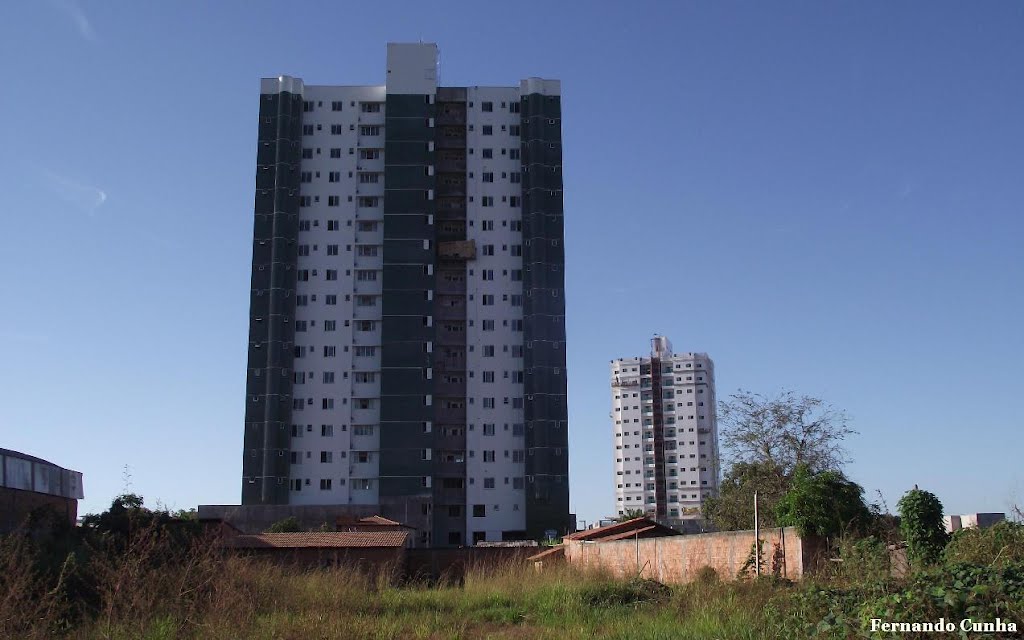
319	540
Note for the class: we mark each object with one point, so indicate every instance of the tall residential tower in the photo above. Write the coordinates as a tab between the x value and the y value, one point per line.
407	316
666	434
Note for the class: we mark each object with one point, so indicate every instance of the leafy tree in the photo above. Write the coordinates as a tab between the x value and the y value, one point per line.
783	431
630	514
186	514
823	504
127	516
733	508
922	527
286	525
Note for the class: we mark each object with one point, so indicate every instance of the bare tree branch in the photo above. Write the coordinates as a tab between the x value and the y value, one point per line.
784	430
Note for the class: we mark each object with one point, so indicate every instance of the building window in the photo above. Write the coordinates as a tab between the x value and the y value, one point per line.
487	153
487	106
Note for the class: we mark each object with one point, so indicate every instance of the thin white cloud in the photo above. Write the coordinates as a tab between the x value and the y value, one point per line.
909	187
83	196
71	9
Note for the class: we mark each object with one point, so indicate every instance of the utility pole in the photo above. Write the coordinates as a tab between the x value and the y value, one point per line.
757	540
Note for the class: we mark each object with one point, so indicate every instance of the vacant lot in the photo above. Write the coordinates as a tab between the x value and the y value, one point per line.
150	585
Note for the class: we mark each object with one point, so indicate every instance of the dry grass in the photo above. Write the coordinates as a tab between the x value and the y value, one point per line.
148	589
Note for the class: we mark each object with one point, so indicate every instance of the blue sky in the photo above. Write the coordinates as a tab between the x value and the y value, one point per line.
824	196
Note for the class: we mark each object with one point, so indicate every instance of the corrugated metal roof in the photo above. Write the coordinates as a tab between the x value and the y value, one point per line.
319	540
368	521
634	527
552	553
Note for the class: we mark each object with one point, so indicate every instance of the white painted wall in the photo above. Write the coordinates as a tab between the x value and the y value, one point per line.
690	423
346	392
505	503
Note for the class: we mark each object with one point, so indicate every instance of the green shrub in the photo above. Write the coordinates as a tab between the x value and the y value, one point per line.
1000	545
922	527
634	592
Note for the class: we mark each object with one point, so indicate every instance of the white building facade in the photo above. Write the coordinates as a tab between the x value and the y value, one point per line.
665	432
407	332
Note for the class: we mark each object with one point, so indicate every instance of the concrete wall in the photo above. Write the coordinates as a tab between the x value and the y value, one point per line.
16	505
453	563
367	559
677	559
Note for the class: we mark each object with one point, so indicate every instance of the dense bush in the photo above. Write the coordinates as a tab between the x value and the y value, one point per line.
922	527
1000	545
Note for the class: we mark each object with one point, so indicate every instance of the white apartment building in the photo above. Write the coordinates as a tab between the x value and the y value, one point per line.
665	432
407	331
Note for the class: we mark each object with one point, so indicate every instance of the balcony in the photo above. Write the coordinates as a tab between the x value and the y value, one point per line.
450	116
450	415
620	382
447	287
453	496
364	416
450	208
369	287
369	469
450	442
366	338
449	389
450	308
374	189
450	468
366	389
457	250
371	117
366	363
451	142
450	363
451	166
366	312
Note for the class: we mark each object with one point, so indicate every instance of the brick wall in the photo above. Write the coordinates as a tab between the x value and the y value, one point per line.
677	559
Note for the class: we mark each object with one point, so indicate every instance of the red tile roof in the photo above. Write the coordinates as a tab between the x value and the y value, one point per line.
319	540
